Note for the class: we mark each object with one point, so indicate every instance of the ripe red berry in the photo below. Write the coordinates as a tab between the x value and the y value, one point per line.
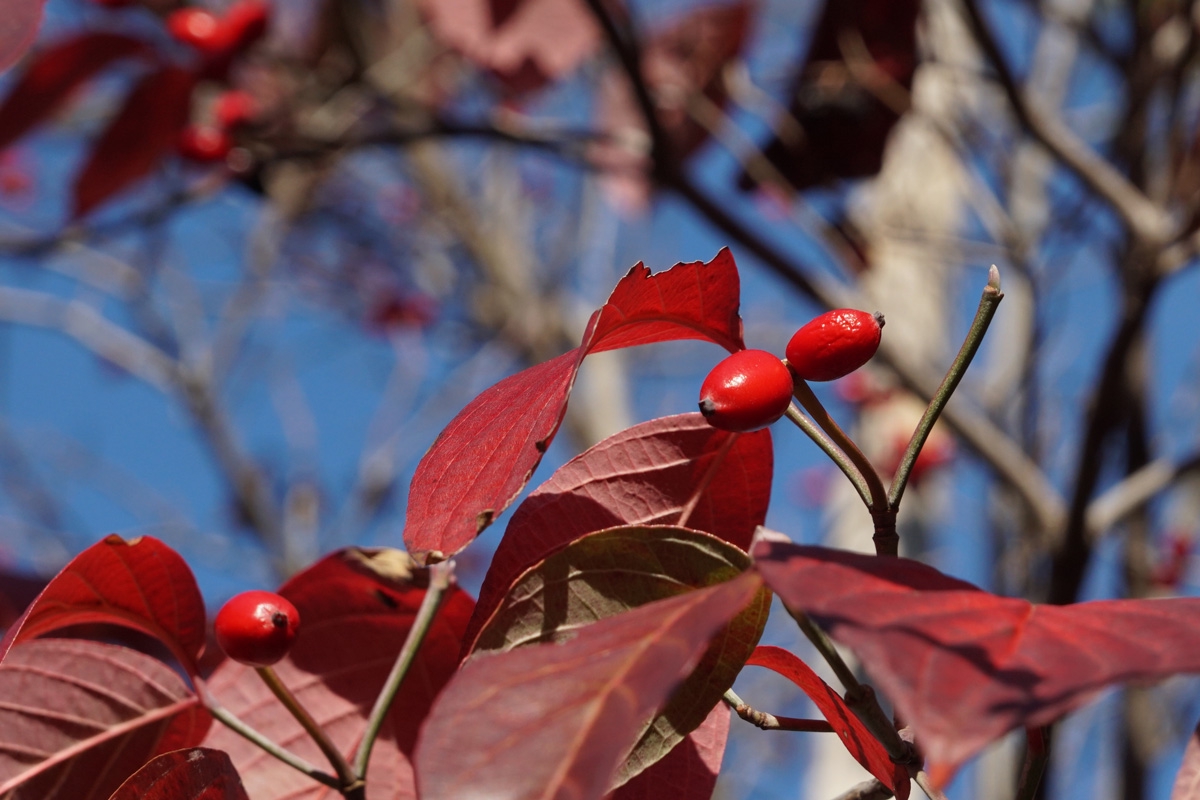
197	27
245	23
204	143
834	344
234	109
747	391
257	628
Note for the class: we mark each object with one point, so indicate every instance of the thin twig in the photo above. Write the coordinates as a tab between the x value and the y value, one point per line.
922	780
1147	220
1135	490
348	780
770	722
867	790
877	494
814	432
231	721
1037	756
983	317
860	697
441	578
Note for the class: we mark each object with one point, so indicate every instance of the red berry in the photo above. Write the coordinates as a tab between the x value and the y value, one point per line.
257	628
196	27
234	109
245	23
747	391
204	143
834	344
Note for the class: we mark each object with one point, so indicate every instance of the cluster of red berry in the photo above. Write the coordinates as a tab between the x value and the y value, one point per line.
218	40
751	389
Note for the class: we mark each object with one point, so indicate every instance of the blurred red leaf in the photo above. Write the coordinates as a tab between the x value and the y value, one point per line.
865	748
557	720
604	574
689	772
1187	780
964	666
524	43
655	473
356	608
486	455
79	717
198	773
144	131
54	74
849	92
18	29
140	584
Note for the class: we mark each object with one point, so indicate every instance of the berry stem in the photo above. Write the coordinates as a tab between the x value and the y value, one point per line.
349	780
441	578
832	450
988	303
877	495
231	721
770	722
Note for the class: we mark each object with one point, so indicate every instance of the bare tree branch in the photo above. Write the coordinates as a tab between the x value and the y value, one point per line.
1148	221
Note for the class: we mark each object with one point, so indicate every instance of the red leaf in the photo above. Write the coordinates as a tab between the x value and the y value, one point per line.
605	574
865	748
138	138
54	74
198	773
1187	781
140	584
556	720
486	455
524	43
689	772
651	474
18	29
964	666
838	95
356	607
78	717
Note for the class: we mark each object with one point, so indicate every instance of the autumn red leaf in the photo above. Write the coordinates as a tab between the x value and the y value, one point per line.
356	608
78	717
670	471
865	748
198	773
144	131
689	772
1187	780
140	584
54	74
963	666
18	29
605	574
523	43
848	93
487	453
556	720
